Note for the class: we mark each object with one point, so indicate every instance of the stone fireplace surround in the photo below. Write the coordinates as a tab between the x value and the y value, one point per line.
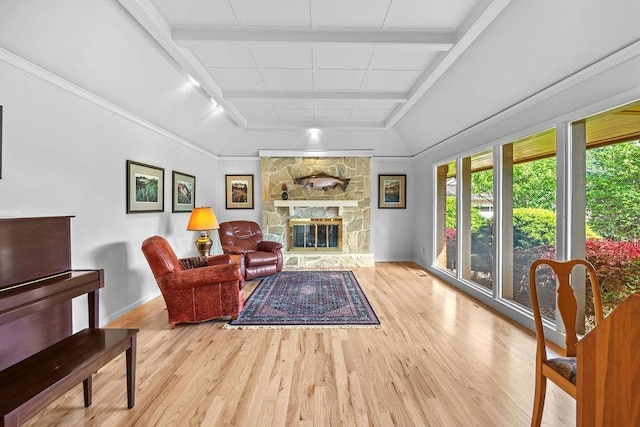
352	205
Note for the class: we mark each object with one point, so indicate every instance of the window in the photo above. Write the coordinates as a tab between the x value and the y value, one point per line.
528	179
473	235
481	219
597	215
612	203
446	240
529	207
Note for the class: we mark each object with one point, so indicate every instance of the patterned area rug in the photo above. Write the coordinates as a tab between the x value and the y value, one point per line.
307	299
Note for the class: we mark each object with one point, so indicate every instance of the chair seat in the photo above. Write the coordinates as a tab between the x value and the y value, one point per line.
255	259
565	366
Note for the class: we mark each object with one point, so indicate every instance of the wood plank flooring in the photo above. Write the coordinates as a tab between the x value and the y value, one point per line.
440	359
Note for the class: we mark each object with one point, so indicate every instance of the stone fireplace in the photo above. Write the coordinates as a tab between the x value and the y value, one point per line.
318	211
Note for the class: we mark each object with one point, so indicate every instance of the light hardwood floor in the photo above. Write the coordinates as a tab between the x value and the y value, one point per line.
440	359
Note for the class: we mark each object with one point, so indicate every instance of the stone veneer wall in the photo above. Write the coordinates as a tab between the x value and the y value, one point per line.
356	224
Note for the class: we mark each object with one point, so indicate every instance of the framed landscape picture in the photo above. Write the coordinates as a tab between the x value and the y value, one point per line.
184	192
239	191
392	191
145	188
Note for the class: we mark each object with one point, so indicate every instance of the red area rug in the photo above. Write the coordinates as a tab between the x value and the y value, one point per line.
307	299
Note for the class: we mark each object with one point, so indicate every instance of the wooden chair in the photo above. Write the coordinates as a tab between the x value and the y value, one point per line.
561	370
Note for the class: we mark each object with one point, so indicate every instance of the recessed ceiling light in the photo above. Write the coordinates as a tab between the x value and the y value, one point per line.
314	132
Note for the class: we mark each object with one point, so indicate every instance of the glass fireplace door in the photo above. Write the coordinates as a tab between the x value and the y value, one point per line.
316	233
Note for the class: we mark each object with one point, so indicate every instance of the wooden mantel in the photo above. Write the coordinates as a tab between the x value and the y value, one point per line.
292	204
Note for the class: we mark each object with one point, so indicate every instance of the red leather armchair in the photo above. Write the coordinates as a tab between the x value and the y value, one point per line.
194	289
261	258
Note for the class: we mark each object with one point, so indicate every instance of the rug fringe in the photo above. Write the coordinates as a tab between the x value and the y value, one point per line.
228	326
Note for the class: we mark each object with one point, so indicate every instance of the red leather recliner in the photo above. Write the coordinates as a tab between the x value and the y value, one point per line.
261	258
194	289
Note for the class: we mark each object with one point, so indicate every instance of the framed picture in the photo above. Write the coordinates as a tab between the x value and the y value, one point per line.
392	191
239	191
145	188
184	192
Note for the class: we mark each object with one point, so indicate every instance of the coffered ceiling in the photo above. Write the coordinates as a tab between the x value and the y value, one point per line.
278	64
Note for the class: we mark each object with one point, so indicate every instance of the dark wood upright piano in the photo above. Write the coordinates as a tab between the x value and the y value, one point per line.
37	285
40	356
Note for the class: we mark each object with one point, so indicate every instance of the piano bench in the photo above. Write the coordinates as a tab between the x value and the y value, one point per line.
35	382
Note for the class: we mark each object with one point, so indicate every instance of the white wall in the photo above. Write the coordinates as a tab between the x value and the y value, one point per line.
97	45
64	155
391	229
423	195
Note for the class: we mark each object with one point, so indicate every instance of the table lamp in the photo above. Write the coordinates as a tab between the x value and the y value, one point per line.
203	219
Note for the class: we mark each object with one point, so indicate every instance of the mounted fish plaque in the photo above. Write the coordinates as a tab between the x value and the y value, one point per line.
322	182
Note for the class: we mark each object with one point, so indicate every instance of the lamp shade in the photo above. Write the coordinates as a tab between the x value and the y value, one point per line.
202	218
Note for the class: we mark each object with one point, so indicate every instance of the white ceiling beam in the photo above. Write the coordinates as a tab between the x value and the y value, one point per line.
232	95
476	22
196	35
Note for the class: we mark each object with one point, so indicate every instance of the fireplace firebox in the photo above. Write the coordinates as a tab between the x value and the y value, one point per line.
315	234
